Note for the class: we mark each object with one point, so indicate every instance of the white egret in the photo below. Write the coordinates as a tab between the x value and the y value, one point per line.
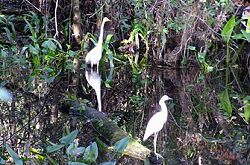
94	56
157	121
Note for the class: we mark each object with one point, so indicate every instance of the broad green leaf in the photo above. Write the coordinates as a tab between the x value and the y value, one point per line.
191	47
9	35
246	102
109	38
69	138
13	30
74	150
76	163
91	152
238	36
225	102
57	43
111	58
49	45
72	53
36	61
54	148
52	160
107	83
247	112
4	53
29	27
109	163
248	26
228	29
77	151
33	50
15	157
209	68
201	57
246	35
121	145
2	161
39	155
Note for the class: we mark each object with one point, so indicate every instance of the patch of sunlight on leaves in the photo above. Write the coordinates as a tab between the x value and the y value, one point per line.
228	29
14	155
225	103
91	152
121	145
69	138
37	153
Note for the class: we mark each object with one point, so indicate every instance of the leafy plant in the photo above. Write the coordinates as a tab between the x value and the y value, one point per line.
202	60
111	54
225	103
226	36
121	145
138	34
6	22
13	154
228	30
246	108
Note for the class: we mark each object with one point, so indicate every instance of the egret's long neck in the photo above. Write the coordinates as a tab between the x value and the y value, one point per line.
101	35
163	106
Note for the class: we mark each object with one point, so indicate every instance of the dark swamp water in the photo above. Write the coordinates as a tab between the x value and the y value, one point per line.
196	131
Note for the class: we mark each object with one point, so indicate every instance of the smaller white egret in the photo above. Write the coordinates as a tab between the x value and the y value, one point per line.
94	56
157	121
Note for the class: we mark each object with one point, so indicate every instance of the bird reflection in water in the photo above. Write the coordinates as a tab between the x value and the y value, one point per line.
94	80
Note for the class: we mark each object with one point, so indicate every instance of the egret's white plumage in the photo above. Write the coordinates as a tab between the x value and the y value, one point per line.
94	56
157	121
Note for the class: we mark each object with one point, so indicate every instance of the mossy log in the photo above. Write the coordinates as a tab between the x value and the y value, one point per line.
108	129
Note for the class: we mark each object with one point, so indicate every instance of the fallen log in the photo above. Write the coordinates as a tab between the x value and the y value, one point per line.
109	130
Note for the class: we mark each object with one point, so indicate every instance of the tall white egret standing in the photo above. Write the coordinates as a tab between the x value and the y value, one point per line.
94	56
157	121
